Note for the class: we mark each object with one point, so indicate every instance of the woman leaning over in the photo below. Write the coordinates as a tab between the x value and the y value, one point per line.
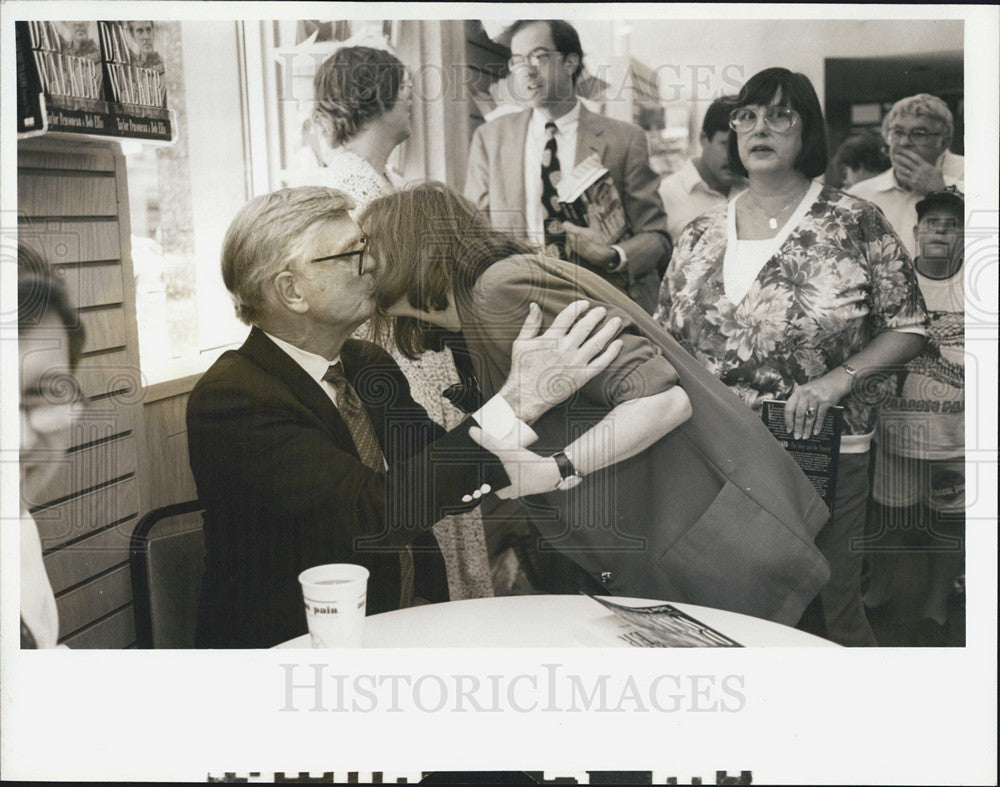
653	478
800	292
363	113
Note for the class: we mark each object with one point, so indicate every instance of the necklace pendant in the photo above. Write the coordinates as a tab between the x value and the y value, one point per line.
772	223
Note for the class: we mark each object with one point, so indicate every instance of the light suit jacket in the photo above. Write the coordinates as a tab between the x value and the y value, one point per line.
494	182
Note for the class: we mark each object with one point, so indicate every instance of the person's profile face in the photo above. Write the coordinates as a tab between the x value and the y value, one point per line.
400	117
48	390
338	291
542	75
715	157
940	234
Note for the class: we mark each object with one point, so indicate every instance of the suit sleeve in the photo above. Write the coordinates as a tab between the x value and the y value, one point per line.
649	247
477	177
268	461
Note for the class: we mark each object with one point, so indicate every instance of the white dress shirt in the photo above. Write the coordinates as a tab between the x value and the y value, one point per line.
534	144
686	196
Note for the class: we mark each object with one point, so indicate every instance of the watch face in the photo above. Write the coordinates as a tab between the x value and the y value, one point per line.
569	483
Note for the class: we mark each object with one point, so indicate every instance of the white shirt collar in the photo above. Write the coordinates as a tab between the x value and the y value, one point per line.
567	121
314	365
885	181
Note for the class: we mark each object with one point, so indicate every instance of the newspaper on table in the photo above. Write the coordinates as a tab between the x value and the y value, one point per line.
589	198
816	455
665	626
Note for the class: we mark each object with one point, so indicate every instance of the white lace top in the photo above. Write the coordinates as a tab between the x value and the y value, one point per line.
347	171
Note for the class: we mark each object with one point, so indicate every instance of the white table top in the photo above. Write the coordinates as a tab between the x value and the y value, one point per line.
547	621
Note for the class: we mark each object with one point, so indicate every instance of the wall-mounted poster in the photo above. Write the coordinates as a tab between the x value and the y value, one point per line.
89	77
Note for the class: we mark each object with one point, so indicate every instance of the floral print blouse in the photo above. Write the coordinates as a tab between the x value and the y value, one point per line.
841	277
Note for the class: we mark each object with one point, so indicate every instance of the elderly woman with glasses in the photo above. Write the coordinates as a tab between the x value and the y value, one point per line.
918	132
799	292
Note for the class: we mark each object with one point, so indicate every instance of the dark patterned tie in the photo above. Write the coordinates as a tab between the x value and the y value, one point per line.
370	453
550	198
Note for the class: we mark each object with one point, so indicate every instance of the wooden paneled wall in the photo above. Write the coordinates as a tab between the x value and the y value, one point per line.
73	208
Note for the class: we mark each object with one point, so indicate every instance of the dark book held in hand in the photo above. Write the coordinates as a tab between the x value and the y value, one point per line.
816	455
589	198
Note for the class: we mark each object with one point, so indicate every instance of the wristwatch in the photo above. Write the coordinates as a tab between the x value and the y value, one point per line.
569	475
849	369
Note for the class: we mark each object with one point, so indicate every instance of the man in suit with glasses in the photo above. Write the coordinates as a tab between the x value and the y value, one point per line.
516	161
306	445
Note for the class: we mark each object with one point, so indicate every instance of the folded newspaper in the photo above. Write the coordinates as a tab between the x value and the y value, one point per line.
589	198
665	626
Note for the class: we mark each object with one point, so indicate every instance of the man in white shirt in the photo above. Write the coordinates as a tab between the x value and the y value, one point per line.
918	131
703	181
516	160
306	445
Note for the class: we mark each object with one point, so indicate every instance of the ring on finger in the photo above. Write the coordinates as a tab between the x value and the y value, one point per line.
810	412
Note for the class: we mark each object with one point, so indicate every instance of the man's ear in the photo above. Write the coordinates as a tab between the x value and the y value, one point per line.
287	293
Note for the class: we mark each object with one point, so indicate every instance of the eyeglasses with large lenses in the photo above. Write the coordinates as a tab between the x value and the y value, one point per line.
918	136
536	58
777	118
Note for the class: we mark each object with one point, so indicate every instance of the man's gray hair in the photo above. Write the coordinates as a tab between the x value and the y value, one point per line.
920	105
265	235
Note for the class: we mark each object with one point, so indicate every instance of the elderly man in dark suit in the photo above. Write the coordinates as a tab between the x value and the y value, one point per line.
515	161
306	445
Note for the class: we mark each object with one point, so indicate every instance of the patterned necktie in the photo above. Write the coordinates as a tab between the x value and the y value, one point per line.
370	453
550	198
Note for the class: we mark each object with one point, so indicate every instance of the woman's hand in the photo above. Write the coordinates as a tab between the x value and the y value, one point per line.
529	473
806	407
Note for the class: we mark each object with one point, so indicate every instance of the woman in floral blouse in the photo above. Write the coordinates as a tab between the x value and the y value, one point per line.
799	292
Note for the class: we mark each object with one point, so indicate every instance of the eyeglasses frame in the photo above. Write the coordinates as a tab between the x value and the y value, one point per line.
345	254
796	119
532	58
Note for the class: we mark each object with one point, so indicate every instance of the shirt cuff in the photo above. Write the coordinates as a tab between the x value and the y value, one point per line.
497	419
623	258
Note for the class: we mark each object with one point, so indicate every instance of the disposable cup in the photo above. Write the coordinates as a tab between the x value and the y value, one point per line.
335	596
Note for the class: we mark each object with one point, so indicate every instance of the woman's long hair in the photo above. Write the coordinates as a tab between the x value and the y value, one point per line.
427	239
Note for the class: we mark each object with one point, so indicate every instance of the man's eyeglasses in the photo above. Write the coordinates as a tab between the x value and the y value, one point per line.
777	118
918	136
49	410
347	255
536	58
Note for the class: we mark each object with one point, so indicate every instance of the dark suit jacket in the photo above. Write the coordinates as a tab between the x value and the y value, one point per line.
495	183
714	513
284	490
